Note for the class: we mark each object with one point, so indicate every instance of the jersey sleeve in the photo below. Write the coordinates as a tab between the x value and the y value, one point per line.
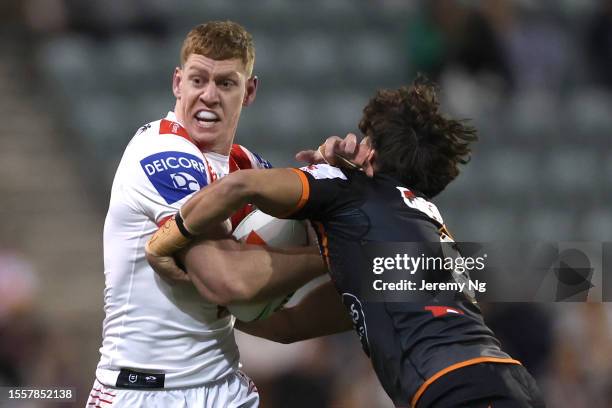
246	159
159	172
325	189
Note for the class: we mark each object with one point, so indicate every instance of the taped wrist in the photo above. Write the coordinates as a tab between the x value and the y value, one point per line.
170	238
181	226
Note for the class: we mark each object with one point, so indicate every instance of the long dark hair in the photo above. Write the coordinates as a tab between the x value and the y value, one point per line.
415	143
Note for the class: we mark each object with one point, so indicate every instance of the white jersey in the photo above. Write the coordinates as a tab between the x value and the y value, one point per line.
151	326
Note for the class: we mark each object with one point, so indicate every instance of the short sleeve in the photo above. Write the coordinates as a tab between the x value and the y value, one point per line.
325	189
242	158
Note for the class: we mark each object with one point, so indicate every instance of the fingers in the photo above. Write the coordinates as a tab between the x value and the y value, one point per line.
334	146
167	269
306	156
350	145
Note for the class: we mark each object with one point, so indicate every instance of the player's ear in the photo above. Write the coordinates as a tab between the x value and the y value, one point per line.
369	166
176	82
251	90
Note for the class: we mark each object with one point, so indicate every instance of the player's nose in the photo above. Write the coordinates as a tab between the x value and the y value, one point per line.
210	94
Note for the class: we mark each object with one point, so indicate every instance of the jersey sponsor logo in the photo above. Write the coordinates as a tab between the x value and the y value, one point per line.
175	175
420	204
324	171
355	310
185	181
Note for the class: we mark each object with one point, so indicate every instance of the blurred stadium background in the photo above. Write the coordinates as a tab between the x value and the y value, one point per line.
77	78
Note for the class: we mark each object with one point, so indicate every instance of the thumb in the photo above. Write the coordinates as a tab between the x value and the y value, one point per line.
306	156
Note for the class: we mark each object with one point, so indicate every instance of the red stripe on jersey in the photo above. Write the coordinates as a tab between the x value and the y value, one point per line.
168	127
239	159
254	239
211	172
239	215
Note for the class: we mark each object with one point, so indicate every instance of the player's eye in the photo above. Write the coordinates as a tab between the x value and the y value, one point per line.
227	83
197	81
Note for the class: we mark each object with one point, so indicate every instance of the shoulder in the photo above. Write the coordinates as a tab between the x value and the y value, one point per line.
419	203
166	159
242	158
324	171
162	136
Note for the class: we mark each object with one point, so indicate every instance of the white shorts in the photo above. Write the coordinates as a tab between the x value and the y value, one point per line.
233	391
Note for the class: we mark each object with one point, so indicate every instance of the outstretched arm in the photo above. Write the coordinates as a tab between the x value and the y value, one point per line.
275	191
223	270
320	313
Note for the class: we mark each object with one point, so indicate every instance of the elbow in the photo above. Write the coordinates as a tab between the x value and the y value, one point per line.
236	186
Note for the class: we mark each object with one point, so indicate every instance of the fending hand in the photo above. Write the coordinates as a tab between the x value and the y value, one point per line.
167	268
338	152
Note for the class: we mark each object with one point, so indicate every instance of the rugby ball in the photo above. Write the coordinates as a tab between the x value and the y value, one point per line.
259	228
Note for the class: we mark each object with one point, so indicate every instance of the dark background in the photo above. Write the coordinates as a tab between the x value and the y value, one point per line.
77	78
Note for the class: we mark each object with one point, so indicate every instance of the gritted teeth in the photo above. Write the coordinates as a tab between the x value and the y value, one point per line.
206	115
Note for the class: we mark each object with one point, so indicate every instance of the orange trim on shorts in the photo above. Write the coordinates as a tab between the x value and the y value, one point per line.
305	194
457	366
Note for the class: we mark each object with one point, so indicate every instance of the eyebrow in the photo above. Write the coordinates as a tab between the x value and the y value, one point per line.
218	75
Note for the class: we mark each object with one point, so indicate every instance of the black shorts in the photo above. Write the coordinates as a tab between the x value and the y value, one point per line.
484	385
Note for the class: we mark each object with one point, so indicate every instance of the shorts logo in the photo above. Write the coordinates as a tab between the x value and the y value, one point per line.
133	378
175	175
355	310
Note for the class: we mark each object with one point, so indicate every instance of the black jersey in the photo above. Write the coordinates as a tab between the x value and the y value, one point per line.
410	343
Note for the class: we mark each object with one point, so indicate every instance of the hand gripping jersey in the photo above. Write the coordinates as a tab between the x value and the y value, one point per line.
151	326
410	343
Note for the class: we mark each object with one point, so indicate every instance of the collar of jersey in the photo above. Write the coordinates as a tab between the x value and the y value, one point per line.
217	157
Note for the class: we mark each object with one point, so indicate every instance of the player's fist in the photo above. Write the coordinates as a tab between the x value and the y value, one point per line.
167	269
338	152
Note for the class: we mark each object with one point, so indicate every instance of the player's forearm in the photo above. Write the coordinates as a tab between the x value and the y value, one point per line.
201	216
320	313
216	203
270	272
226	271
275	191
